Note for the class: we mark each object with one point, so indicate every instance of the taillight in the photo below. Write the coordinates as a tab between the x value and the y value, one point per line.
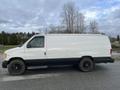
111	51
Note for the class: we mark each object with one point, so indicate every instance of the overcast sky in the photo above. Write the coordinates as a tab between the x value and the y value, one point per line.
28	15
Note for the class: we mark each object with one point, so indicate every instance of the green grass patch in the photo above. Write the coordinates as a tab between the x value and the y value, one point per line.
116	46
116	58
116	50
6	47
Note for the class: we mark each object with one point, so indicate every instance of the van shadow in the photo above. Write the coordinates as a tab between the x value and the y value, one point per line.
50	69
62	69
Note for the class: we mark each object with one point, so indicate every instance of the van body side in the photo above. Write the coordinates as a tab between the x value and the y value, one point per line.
57	49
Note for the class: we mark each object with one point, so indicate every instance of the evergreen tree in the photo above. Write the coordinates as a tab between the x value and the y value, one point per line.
118	38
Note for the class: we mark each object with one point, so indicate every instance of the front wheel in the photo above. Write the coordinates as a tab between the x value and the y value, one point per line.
16	67
86	64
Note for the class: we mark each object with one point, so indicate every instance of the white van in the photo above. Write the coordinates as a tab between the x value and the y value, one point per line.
82	50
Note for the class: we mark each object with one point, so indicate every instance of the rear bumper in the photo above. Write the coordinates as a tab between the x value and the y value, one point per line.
104	60
4	64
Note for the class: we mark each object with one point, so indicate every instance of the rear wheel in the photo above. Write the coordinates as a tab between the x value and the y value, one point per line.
16	67
86	64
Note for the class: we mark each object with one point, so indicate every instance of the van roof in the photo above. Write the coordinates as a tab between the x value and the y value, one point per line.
69	35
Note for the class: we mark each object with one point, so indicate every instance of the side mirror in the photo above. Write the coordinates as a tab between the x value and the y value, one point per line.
28	46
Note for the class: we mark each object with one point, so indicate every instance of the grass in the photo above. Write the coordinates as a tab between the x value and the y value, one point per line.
6	47
116	50
116	46
116	57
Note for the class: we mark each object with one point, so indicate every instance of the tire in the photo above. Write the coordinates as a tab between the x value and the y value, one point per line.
16	67
86	64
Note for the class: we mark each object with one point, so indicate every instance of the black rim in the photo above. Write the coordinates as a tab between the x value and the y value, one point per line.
87	65
16	68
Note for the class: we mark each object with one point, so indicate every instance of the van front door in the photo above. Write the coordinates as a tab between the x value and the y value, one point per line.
35	49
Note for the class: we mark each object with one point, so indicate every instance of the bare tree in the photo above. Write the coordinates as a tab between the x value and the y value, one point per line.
68	15
73	19
80	23
52	29
94	27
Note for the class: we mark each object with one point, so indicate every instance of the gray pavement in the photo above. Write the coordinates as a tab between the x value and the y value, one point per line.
104	77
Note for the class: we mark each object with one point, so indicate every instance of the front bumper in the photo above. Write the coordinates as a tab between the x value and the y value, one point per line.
4	64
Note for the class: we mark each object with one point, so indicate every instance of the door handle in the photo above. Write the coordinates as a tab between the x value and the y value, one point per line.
44	53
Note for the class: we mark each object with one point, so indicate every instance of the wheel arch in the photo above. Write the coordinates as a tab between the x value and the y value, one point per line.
88	57
13	58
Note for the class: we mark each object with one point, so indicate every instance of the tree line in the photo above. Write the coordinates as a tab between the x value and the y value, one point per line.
14	38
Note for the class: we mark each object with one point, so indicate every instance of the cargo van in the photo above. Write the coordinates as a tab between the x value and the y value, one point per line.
82	50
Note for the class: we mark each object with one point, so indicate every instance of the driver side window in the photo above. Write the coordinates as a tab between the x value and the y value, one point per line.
36	42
